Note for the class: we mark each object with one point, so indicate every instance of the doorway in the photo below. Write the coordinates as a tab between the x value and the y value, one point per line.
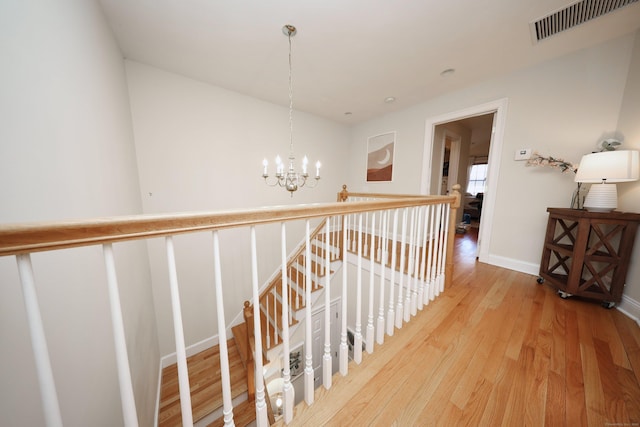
434	145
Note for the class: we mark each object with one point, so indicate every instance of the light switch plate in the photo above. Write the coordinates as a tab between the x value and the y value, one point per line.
523	154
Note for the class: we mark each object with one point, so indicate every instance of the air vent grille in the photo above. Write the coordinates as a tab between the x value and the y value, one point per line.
575	14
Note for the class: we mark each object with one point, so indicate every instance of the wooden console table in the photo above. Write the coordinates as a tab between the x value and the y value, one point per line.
587	254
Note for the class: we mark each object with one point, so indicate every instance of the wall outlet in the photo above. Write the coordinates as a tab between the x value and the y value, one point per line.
523	154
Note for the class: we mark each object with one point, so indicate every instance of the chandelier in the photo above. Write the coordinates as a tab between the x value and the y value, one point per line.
291	179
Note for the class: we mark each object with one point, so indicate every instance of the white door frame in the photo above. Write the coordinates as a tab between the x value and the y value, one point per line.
499	107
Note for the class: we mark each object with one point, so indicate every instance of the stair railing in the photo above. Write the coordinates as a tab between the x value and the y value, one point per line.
269	295
21	240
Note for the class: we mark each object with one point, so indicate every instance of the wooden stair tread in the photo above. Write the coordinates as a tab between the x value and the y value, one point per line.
205	384
243	415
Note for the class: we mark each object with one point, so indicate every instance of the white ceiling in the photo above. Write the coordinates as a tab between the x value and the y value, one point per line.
348	55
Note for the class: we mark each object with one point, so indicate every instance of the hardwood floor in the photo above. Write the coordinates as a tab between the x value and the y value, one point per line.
495	349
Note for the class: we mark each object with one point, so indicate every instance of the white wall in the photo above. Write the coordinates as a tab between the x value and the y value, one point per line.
562	108
66	151
629	193
200	147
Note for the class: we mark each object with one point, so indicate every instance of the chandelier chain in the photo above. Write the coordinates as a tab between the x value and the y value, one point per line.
290	100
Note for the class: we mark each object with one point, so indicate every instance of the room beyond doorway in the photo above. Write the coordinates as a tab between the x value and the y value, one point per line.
434	152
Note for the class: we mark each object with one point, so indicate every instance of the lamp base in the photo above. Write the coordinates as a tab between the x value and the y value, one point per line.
601	198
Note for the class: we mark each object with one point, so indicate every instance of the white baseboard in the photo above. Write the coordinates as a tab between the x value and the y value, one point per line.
513	264
630	308
196	348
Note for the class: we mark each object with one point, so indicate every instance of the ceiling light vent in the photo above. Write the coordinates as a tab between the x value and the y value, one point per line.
572	15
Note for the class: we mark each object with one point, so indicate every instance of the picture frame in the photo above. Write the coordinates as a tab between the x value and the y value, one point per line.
380	157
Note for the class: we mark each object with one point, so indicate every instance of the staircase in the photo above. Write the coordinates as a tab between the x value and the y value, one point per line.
204	369
271	298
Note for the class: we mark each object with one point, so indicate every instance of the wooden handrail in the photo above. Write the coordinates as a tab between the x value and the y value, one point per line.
344	195
36	237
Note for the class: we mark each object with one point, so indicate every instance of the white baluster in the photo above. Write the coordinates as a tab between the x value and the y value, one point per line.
440	251
225	373
423	262
383	268
287	388
262	418
326	358
357	340
354	233
372	265
394	241
429	249
403	236
276	331
127	398
181	354
344	349
435	240
308	347
445	233
379	247
289	295
345	230
407	302
50	405
334	237
416	263
365	247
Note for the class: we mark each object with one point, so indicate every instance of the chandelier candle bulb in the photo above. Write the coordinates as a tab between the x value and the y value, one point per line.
318	164
305	161
265	163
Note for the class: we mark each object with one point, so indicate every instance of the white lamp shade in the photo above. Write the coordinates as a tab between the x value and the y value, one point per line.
609	166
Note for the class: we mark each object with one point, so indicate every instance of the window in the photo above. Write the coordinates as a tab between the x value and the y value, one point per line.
477	179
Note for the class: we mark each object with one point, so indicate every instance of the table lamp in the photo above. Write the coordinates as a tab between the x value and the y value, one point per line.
603	170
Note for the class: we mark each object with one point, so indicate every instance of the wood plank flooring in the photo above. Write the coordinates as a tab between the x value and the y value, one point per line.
495	349
205	383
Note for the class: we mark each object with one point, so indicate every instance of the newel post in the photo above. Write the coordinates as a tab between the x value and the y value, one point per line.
451	232
344	194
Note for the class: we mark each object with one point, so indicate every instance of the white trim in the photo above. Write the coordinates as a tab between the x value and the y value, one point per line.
499	107
514	264
196	348
630	308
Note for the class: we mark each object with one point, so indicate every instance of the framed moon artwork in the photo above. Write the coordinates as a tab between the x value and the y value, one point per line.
380	150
